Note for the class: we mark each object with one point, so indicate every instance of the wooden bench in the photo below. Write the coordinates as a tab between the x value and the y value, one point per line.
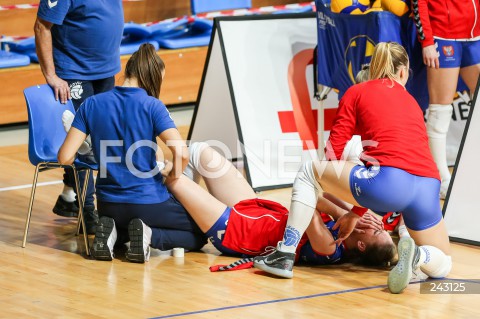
182	80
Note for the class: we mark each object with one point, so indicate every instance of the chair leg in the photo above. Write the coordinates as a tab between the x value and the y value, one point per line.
80	211
83	195
30	205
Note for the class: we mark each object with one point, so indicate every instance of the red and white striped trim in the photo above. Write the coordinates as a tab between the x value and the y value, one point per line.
268	9
241	12
35	5
19	6
13	38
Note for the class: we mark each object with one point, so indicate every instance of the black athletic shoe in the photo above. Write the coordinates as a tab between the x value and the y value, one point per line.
64	208
140	239
277	263
91	220
105	238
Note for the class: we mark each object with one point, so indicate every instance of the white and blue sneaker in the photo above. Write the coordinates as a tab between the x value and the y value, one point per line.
105	238
140	239
401	275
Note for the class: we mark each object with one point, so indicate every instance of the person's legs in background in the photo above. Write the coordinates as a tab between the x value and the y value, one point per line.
456	58
442	84
66	204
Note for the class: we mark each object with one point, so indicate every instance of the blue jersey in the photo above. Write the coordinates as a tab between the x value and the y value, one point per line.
308	255
86	37
123	124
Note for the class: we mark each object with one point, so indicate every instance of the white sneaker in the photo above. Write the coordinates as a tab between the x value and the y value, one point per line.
140	239
105	238
401	275
67	120
86	147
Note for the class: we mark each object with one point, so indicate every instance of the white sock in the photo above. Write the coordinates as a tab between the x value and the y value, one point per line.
195	150
68	194
433	262
67	120
304	200
403	231
438	121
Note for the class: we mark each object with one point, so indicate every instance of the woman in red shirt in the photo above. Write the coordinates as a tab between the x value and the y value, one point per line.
399	173
449	32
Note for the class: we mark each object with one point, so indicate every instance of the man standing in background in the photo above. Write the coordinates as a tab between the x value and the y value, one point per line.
78	48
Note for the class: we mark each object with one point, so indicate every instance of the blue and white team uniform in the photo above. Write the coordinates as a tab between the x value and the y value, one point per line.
129	184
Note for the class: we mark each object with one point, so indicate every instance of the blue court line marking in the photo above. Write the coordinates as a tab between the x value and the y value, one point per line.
276	301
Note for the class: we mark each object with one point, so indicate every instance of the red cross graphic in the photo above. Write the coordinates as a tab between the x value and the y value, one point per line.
303	119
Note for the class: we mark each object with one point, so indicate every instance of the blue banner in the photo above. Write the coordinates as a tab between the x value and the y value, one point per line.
346	43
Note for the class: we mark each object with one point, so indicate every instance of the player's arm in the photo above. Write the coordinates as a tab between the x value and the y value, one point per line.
425	33
336	208
174	141
320	237
343	127
44	47
332	206
68	150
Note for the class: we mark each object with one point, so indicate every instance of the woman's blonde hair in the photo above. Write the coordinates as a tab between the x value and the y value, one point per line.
147	67
387	59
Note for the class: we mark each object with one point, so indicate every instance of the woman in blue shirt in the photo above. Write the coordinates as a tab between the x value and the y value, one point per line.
124	124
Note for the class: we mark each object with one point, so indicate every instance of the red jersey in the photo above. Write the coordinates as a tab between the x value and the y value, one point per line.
254	225
446	19
390	123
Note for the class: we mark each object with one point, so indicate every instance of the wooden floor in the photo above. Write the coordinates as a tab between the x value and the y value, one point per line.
53	278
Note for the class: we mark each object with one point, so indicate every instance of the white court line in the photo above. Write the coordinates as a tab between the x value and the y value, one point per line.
11	188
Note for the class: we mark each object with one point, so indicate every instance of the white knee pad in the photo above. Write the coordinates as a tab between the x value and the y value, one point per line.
433	262
305	187
438	120
442	271
195	150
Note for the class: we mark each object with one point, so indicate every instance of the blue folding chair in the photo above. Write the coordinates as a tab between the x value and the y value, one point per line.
46	135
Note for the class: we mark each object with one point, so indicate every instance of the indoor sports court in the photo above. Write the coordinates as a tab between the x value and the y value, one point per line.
260	82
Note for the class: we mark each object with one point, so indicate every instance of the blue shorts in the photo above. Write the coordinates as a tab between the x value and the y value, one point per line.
308	255
454	54
217	232
389	189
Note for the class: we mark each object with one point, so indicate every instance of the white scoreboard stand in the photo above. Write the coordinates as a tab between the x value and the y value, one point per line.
256	95
460	209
